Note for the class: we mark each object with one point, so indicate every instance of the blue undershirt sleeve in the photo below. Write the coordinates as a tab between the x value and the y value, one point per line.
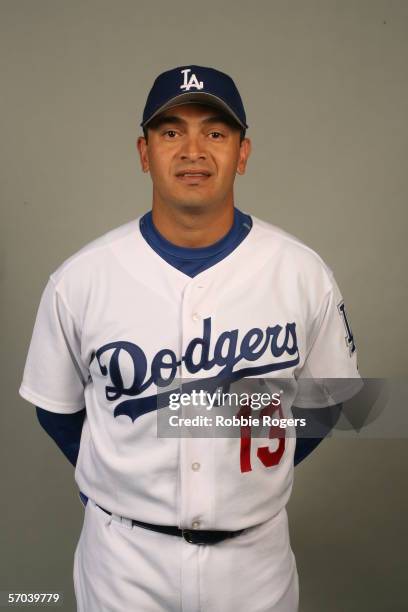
64	429
319	420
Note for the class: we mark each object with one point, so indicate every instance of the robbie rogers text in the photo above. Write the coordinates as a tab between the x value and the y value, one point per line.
235	421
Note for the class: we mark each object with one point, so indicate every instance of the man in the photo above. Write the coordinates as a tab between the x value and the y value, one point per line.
194	288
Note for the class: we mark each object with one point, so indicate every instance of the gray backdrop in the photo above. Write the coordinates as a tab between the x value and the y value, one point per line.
325	88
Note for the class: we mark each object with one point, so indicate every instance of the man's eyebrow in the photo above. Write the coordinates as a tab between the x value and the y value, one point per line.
175	120
218	119
159	121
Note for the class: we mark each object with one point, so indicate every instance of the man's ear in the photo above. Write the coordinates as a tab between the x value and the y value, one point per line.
244	153
144	157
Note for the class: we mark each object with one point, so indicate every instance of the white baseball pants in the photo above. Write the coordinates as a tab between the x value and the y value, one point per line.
119	568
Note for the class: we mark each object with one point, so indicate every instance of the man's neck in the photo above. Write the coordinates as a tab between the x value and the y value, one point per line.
197	229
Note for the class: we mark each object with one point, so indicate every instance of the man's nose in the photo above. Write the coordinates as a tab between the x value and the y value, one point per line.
193	148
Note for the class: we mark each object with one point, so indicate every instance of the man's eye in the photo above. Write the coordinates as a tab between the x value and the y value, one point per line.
170	133
216	134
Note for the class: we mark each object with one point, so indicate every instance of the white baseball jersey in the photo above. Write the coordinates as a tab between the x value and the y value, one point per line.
115	318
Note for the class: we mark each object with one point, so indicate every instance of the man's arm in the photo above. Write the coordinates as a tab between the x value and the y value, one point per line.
319	421
64	429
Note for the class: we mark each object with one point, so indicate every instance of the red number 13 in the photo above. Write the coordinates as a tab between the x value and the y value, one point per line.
265	455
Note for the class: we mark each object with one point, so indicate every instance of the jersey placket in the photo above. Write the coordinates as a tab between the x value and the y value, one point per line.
197	471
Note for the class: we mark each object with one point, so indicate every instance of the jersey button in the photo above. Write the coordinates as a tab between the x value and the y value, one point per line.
195	466
196	316
195	524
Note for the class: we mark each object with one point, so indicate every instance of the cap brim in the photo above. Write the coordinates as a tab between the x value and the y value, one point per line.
197	98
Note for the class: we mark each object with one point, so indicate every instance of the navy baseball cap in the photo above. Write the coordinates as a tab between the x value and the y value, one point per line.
188	84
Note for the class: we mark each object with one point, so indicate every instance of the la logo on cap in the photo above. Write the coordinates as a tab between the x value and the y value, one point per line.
193	82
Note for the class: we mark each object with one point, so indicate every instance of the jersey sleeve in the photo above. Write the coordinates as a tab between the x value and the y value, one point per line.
330	373
54	375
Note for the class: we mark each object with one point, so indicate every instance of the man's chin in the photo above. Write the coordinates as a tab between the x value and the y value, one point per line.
195	205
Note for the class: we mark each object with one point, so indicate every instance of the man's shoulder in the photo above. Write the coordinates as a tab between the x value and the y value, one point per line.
270	234
93	255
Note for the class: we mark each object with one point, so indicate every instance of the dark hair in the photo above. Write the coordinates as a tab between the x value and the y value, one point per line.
226	118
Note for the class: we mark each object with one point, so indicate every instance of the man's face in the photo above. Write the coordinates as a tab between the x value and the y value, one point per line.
192	155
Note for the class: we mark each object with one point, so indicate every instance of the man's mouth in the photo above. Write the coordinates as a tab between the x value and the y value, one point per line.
193	173
193	176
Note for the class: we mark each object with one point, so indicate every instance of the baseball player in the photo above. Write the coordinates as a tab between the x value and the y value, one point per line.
194	288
